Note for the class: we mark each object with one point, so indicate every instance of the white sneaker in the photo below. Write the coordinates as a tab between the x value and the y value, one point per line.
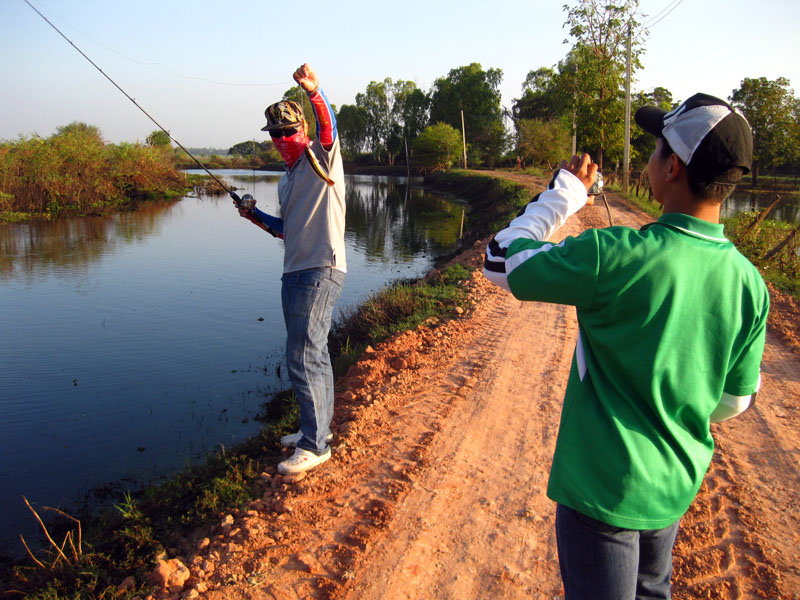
291	440
302	460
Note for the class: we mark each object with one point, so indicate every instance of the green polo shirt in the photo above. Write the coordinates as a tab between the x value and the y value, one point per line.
670	316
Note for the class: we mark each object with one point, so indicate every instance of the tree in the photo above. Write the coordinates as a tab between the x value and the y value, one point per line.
409	114
476	92
596	69
352	125
395	111
375	103
543	96
263	151
84	131
643	143
415	111
543	142
771	109
438	147
158	138
299	95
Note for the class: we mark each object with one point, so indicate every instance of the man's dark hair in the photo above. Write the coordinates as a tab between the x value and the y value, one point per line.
716	188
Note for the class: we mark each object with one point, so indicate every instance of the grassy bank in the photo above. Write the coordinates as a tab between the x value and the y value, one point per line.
75	173
493	202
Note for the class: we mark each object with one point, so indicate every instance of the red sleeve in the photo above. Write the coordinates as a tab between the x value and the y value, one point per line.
326	122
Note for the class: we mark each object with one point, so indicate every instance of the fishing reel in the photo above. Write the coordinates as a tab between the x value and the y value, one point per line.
246	202
597	186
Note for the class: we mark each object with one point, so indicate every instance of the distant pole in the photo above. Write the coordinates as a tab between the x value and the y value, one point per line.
464	139
575	114
627	156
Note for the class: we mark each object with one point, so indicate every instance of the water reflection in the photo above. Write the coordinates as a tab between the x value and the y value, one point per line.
788	209
135	342
395	221
38	248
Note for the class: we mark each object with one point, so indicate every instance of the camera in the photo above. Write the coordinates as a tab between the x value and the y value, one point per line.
597	186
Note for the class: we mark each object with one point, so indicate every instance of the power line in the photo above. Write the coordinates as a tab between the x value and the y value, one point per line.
651	23
163	66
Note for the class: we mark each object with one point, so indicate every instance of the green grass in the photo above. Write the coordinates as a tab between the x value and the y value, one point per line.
782	269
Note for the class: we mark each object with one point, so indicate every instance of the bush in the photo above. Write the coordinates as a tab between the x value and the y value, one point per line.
437	148
542	143
75	172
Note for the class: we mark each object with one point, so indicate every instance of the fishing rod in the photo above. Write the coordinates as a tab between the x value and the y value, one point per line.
273	226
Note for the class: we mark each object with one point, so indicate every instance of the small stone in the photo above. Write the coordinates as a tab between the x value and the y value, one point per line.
398	364
171	575
281	507
295	477
203	544
459	310
347	427
126	584
369	350
308	563
201	586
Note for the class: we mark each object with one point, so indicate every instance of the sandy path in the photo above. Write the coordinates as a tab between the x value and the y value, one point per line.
437	485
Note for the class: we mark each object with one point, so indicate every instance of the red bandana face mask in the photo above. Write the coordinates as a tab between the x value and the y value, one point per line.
291	147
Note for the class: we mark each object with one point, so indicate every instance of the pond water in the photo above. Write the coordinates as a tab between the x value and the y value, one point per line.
135	343
788	209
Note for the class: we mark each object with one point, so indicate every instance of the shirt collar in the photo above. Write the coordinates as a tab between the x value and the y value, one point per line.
695	227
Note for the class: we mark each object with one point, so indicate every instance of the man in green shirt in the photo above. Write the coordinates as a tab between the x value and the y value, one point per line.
672	321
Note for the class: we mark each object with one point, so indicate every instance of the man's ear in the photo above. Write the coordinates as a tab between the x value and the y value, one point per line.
676	167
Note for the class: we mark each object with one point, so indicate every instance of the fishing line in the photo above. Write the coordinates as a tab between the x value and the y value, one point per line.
136	104
163	66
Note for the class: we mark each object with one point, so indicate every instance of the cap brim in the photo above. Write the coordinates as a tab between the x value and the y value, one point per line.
282	126
651	119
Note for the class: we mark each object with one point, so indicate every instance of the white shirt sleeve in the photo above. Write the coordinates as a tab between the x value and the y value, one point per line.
730	406
541	219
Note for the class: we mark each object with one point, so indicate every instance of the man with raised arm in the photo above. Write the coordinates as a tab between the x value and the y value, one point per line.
671	329
312	207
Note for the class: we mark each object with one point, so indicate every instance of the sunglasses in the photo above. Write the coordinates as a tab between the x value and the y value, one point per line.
279	133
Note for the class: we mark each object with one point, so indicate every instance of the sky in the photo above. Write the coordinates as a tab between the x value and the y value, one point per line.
206	70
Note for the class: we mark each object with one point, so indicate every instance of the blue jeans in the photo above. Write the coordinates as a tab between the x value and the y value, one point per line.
308	297
599	561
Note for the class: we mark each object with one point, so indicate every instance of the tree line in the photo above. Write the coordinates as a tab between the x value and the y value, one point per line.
580	98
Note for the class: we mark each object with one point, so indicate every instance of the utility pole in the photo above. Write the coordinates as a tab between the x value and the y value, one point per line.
464	139
575	112
627	156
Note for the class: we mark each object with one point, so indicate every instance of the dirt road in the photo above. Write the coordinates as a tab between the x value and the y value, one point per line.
437	484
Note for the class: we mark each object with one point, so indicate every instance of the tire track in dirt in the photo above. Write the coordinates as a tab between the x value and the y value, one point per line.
477	523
